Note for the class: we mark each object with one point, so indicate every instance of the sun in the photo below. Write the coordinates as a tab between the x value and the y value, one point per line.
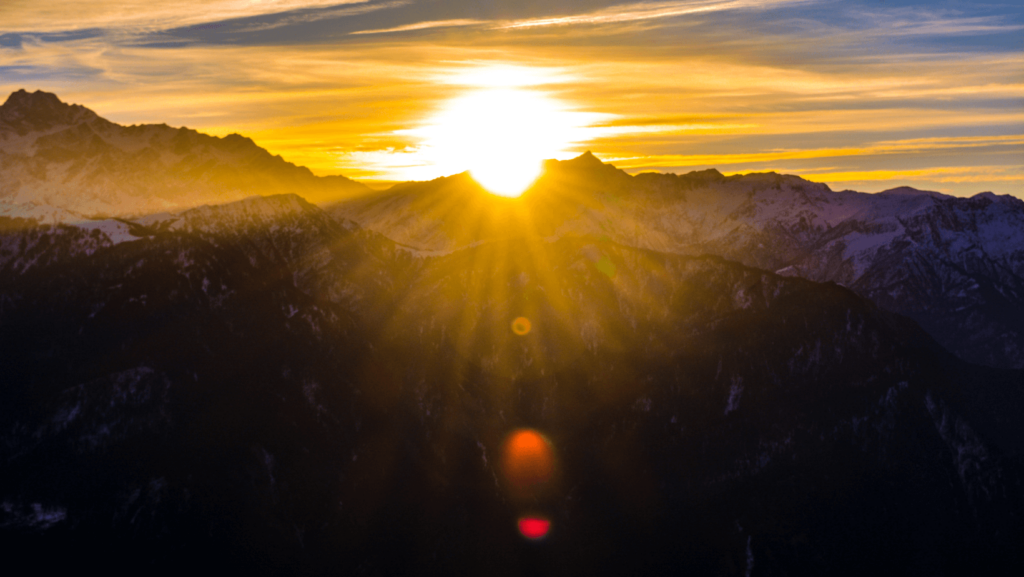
501	135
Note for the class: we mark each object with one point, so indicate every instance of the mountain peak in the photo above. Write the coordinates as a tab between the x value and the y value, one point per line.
910	191
1005	199
706	174
26	111
587	159
25	99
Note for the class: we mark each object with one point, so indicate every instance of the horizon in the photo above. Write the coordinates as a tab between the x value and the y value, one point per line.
864	96
384	185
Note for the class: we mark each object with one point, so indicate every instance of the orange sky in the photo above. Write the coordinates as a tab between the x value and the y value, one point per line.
860	95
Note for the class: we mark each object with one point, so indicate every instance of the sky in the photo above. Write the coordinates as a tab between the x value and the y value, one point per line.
859	94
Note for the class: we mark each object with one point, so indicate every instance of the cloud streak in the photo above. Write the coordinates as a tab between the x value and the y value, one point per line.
306	16
424	26
56	15
647	11
921	145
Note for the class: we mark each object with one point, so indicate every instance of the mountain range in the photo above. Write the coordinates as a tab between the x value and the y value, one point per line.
740	375
56	157
955	265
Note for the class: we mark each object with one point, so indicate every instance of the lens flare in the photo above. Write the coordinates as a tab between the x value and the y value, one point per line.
534	528
606	266
521	326
528	462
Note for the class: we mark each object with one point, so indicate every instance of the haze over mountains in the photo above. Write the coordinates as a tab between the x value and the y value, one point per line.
275	386
57	156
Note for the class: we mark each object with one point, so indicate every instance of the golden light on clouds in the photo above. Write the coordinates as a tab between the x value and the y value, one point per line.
55	15
387	90
640	11
876	149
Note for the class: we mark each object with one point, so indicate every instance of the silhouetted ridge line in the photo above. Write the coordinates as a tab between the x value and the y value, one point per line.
25	110
63	162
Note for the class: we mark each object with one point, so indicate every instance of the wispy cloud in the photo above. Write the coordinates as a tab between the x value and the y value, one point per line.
57	15
305	16
620	13
648	11
943	174
917	146
424	26
922	21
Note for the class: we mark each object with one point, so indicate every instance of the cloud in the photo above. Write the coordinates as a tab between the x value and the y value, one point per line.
499	17
945	174
924	21
424	26
56	15
909	146
647	11
306	16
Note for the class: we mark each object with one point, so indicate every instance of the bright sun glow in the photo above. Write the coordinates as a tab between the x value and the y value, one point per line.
501	135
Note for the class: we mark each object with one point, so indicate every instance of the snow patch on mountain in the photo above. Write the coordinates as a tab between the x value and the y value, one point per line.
970	456
33	515
735	392
114	230
41	213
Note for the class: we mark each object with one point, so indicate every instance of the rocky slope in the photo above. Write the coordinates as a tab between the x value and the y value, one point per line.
956	265
62	162
258	386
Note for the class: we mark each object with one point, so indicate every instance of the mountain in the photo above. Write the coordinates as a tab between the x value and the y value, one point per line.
262	384
260	387
956	265
62	162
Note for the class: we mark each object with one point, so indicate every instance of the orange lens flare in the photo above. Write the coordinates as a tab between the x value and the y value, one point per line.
521	326
534	528
528	462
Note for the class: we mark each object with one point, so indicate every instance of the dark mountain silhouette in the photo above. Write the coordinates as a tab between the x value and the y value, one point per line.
956	265
738	375
260	387
24	113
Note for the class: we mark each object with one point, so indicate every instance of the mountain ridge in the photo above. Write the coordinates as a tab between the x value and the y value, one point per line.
956	265
67	157
892	247
40	110
267	379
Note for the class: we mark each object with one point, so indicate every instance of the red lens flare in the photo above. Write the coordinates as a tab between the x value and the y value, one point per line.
534	528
